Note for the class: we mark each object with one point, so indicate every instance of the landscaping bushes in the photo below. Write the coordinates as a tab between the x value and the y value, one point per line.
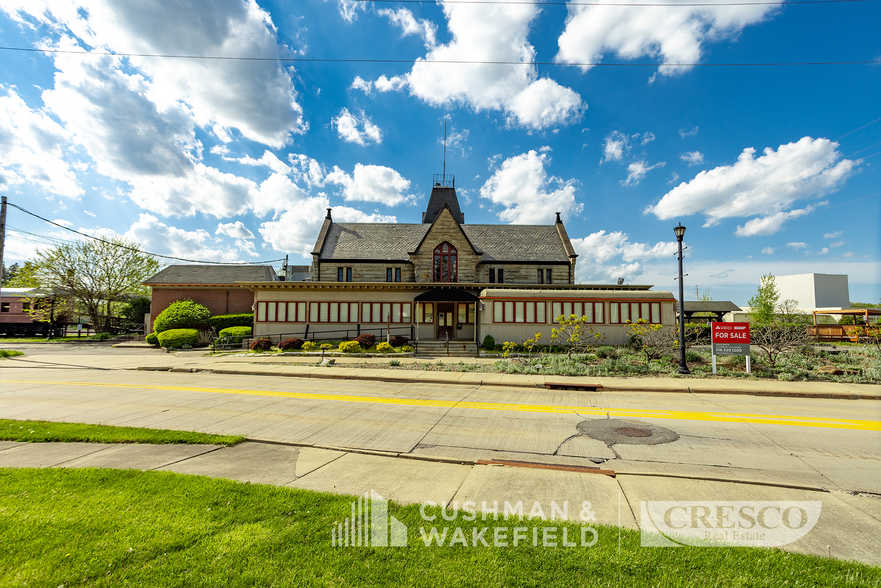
397	341
175	338
261	345
352	346
489	343
384	348
183	314
221	322
366	340
152	339
236	334
289	344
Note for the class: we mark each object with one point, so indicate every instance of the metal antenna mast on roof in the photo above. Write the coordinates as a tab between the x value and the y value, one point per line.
445	151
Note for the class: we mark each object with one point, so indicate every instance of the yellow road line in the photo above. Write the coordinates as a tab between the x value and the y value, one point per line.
726	417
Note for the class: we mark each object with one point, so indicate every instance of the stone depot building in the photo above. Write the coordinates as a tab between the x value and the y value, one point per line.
443	279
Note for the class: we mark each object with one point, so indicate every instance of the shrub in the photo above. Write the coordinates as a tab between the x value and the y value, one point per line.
407	349
178	337
261	345
394	363
206	337
692	356
326	346
308	346
366	340
290	344
152	339
384	348
397	341
350	347
235	333
606	352
225	321
183	314
489	343
102	336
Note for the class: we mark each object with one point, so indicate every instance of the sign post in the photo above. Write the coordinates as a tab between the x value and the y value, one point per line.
730	339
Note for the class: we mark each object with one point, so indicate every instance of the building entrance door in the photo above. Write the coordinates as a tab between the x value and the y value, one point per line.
446	321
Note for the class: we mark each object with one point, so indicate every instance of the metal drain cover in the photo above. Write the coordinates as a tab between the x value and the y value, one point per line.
615	431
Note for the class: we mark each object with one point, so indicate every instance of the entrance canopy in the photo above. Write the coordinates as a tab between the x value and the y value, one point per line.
446	295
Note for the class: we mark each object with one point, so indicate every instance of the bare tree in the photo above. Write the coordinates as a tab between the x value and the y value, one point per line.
777	338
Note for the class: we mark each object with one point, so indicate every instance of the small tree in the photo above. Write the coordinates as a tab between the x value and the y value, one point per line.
573	332
763	306
778	337
654	341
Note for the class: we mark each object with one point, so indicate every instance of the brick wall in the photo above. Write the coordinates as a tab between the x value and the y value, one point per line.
219	300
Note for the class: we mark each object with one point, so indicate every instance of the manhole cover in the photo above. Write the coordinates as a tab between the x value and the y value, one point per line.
614	431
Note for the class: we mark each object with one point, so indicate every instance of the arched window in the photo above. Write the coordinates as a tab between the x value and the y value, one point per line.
445	263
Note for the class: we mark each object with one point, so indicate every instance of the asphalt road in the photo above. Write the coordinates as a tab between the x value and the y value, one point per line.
810	443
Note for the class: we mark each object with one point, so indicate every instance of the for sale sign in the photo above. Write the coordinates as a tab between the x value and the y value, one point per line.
730	338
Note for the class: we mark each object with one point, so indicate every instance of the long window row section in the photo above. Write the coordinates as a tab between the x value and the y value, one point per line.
333	312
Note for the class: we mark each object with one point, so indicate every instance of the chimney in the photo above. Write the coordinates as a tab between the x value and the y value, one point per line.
328	214
558	217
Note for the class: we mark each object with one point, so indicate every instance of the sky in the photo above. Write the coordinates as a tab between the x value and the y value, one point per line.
224	134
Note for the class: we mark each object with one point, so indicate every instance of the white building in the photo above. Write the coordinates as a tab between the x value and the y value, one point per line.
815	291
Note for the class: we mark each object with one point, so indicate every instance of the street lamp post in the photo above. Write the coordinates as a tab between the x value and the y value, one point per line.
683	368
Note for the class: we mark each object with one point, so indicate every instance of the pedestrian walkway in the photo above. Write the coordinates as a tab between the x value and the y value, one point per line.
848	527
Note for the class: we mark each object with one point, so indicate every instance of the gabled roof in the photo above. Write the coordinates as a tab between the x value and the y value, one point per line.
517	243
214	275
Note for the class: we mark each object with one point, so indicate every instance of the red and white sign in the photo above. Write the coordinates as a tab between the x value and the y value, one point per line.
730	332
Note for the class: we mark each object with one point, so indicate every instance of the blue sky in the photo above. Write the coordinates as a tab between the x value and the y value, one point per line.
771	168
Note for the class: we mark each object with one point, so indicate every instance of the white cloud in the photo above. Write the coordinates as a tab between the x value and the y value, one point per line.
456	140
236	230
203	190
768	225
837	243
834	235
762	186
307	170
687	133
605	257
797	245
259	101
692	158
848	254
347	125
31	149
769	250
372	183
613	146
277	193
637	170
488	33
673	34
528	195
823	251
349	9
157	237
410	26
647	138
360	83
268	160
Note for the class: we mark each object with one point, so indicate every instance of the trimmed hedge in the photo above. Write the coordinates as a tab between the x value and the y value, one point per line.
178	337
152	339
290	344
397	341
351	347
221	322
365	340
384	347
261	345
489	343
237	333
183	314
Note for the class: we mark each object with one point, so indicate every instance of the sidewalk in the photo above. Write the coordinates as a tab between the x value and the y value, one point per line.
848	527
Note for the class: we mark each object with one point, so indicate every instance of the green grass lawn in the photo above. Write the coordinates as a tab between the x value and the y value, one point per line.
97	527
4	353
47	431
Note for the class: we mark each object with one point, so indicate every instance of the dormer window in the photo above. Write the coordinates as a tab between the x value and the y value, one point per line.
445	263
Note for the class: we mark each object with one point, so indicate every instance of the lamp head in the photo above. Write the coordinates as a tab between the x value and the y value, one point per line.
680	231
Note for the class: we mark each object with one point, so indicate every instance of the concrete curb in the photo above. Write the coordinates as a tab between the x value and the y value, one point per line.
606	387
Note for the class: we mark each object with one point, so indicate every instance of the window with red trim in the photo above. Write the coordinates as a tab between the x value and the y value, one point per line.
281	312
518	311
445	263
630	312
591	311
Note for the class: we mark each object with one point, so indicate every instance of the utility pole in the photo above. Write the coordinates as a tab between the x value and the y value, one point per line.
2	236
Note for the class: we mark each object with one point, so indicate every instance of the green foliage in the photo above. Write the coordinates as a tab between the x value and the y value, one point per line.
350	347
24	276
136	309
101	336
508	347
4	353
53	432
407	349
152	339
394	363
263	344
489	343
238	332
850	319
308	346
384	347
763	306
607	352
224	321
326	346
178	337
654	341
182	314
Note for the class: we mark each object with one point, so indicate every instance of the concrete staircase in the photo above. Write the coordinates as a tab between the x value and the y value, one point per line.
440	349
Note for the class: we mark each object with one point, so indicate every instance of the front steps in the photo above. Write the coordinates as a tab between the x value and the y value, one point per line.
441	349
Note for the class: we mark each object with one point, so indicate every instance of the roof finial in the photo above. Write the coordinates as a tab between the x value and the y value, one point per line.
558	218
328	214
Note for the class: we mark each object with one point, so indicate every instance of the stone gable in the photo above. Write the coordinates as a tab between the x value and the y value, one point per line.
446	229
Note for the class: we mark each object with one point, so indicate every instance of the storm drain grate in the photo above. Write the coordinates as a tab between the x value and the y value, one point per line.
573	386
633	432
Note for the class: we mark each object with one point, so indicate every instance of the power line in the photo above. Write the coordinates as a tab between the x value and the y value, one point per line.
136	250
438	61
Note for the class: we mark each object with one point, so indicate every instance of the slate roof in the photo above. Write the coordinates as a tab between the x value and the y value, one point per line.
393	242
441	195
212	275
